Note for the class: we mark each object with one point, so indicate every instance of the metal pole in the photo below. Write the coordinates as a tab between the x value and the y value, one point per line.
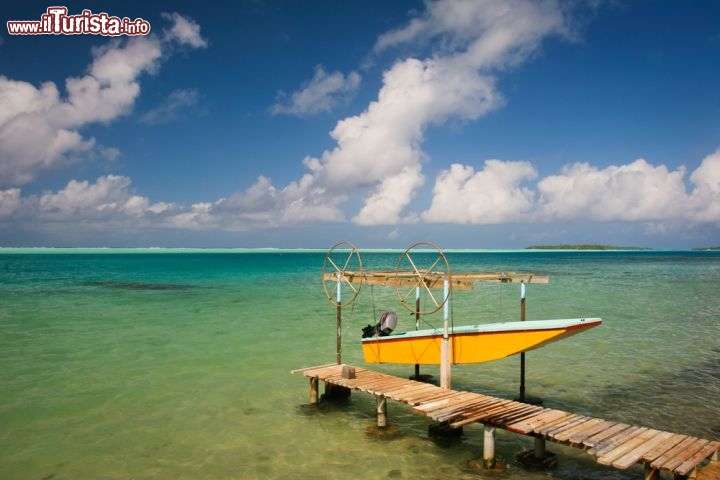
417	325
445	375
522	355
339	322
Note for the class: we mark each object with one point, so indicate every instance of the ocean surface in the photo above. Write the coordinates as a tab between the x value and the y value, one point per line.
175	364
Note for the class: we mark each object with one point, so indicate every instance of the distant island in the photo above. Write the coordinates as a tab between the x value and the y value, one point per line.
582	247
706	248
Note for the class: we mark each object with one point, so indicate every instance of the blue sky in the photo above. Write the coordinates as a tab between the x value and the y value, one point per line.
469	123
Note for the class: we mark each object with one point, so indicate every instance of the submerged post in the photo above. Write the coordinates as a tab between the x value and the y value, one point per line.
488	446
445	375
314	390
381	402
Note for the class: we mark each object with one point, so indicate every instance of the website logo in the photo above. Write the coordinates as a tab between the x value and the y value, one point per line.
56	21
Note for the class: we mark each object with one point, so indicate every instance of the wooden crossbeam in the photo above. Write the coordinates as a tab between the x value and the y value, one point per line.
434	280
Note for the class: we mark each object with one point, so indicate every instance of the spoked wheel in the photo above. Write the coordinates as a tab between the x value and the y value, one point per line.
426	270
342	262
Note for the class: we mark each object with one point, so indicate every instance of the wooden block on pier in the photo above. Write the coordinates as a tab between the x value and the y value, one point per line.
348	372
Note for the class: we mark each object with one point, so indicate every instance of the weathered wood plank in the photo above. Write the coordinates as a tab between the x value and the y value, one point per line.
579	437
629	445
688	465
580	427
668	459
616	440
448	414
562	426
514	415
634	456
685	455
528	425
558	422
453	404
662	448
595	440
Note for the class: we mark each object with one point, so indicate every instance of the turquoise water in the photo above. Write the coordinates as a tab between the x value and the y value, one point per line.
172	365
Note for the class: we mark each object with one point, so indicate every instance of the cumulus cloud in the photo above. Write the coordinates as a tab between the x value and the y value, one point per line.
494	194
40	128
379	151
636	191
500	192
321	94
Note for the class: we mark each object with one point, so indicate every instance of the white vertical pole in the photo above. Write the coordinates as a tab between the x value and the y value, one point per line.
338	350
522	355
445	375
489	446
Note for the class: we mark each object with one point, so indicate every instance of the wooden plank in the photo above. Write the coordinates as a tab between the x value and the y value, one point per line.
565	435
448	415
455	403
631	444
528	425
576	439
616	440
514	415
670	456
662	448
307	369
453	397
558	422
635	455
685	454
595	440
692	462
408	394
562	426
481	414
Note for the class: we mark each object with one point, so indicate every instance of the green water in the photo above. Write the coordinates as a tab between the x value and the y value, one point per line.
172	365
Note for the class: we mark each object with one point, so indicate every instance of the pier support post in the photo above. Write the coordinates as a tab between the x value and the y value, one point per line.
539	448
538	457
651	473
381	402
489	446
314	390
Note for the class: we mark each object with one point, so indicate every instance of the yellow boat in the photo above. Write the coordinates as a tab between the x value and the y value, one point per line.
471	343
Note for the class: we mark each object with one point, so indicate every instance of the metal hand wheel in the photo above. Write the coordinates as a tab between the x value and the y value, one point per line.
426	271
341	263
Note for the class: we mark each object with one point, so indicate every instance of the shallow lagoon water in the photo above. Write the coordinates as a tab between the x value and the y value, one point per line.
170	365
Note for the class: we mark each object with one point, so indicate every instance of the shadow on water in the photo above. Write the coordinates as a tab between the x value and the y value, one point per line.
140	285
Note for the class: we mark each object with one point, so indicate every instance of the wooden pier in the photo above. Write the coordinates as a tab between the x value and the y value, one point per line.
612	443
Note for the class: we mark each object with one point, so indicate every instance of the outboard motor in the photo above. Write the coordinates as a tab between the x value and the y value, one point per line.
387	323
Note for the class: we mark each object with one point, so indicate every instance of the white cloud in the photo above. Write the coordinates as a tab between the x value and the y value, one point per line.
501	192
40	129
705	198
9	201
321	94
109	198
184	30
492	195
379	152
172	107
634	192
